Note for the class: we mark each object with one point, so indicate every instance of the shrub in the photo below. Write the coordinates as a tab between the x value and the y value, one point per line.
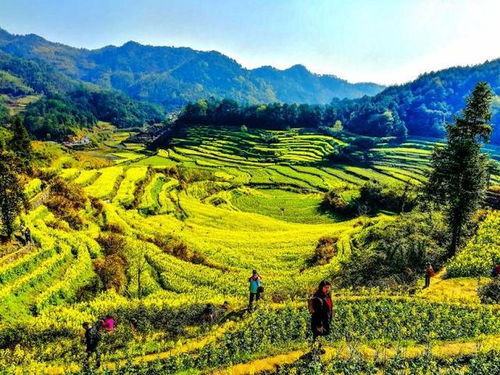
332	200
390	253
97	205
373	196
176	247
325	250
490	293
111	272
112	244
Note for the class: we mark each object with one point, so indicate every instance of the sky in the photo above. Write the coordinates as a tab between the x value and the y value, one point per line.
382	41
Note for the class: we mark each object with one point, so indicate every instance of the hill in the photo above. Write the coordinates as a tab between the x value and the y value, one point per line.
151	238
427	103
173	76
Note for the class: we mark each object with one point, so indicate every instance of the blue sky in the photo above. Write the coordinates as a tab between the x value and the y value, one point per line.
385	41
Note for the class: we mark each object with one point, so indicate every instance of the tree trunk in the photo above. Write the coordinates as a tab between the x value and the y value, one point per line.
139	284
455	236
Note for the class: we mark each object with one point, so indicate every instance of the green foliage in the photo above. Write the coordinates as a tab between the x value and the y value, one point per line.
12	85
395	252
490	293
459	175
55	118
481	251
11	191
281	116
425	104
373	197
20	142
58	116
4	113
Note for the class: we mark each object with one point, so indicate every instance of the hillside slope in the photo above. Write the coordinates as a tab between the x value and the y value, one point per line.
172	76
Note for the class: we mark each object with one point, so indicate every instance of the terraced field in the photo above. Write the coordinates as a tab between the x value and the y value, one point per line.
237	201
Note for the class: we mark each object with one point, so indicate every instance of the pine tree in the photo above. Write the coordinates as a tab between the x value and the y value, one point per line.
11	191
459	175
20	143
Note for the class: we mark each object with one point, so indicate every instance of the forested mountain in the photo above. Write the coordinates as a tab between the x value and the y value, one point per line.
427	103
173	76
64	104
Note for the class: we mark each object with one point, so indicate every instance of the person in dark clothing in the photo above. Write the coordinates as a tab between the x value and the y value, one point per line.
208	313
428	274
495	271
27	236
92	339
320	306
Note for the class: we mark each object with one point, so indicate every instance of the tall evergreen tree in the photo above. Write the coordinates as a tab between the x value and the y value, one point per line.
11	191
20	143
459	175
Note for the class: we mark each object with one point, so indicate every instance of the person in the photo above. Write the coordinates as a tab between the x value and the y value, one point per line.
27	236
428	274
208	313
255	289
495	272
92	339
321	308
108	324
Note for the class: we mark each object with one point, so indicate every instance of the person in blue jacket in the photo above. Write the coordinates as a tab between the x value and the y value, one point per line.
255	288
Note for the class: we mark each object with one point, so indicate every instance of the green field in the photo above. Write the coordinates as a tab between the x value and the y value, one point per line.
238	203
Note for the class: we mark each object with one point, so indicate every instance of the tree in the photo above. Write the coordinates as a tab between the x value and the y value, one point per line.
337	126
11	191
138	266
459	175
4	113
20	143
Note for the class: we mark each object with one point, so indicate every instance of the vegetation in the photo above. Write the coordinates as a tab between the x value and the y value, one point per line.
152	237
11	191
282	116
57	117
174	77
459	175
396	252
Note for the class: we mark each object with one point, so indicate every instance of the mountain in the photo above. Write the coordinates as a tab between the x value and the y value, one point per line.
426	104
173	76
297	85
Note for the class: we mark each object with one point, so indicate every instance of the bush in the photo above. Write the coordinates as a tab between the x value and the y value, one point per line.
176	247
112	244
390	253
490	293
111	272
325	250
332	200
373	197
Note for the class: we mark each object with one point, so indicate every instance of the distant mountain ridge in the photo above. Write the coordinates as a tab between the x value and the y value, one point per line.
172	76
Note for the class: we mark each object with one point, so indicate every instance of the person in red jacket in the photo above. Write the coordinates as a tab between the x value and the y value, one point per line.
428	274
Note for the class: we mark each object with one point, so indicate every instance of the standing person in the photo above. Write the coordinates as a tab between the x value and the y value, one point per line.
255	283
495	272
27	236
92	339
321	308
428	274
